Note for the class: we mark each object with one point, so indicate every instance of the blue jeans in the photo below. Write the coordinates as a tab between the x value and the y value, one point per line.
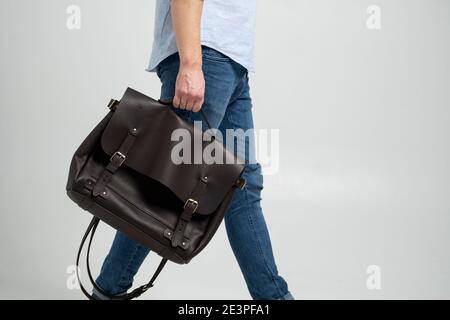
228	106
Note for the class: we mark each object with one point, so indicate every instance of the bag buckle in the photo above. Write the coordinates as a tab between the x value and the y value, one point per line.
146	287
192	202
119	156
241	183
113	104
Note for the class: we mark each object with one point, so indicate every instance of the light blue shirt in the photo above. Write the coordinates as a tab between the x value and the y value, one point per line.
227	26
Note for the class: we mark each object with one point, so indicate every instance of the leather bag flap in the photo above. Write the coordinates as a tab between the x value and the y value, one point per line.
151	152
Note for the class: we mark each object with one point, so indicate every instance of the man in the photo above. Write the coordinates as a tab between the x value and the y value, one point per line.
202	53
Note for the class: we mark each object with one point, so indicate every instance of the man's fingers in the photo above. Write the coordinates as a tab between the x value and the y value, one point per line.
183	102
190	103
176	101
197	105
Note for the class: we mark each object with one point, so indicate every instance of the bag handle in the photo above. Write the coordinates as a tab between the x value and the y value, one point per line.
134	294
170	103
113	104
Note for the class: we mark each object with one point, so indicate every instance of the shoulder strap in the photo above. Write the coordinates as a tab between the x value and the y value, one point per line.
133	294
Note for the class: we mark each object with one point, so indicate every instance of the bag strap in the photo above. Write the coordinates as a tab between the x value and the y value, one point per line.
134	294
189	209
116	160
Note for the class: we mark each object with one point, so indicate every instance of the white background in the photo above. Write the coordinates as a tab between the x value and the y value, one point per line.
364	157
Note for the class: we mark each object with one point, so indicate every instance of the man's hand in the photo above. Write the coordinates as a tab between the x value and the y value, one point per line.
190	85
189	88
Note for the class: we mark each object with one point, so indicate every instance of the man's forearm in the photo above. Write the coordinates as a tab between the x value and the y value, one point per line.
190	84
186	19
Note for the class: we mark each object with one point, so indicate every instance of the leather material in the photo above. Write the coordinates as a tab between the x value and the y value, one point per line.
144	197
151	153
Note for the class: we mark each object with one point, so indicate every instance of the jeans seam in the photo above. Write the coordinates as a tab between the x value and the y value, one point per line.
260	248
236	97
136	248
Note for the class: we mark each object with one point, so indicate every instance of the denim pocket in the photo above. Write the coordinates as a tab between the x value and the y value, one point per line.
213	55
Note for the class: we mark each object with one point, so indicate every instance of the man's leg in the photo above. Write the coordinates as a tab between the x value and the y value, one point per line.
250	241
120	265
228	106
244	221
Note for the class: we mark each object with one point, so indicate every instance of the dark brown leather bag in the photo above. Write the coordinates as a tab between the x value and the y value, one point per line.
123	174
